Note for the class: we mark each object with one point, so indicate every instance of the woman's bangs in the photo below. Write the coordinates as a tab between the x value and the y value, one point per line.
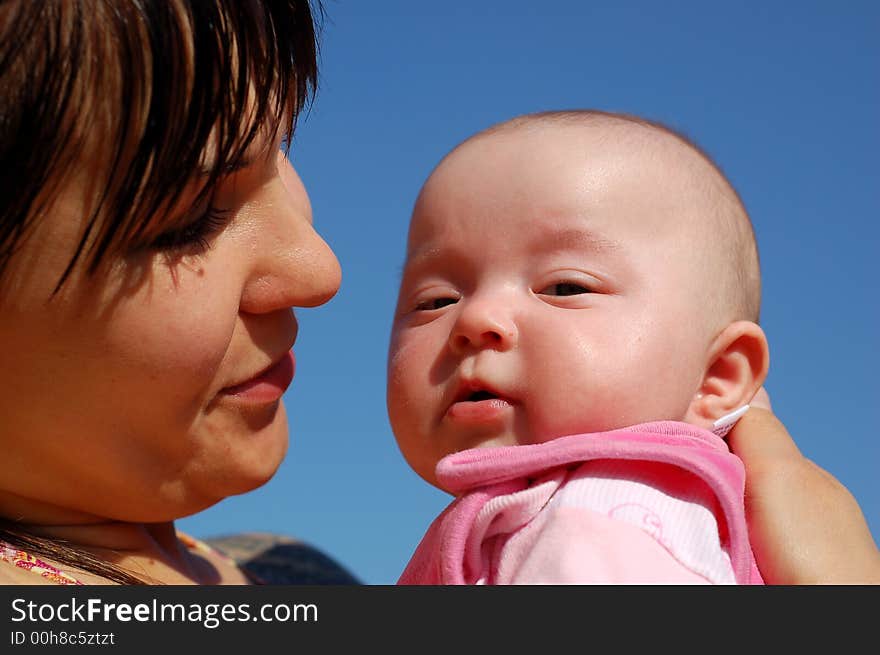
219	75
182	90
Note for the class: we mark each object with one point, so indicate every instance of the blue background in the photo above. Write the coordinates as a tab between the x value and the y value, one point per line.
785	96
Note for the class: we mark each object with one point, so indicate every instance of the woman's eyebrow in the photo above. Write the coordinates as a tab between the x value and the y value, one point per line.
253	154
206	169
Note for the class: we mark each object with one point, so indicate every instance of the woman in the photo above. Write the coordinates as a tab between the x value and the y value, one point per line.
153	246
153	243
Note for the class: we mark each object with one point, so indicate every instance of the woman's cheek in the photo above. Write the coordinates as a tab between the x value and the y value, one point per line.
180	340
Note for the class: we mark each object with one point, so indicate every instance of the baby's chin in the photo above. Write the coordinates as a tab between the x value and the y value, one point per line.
426	467
500	441
505	439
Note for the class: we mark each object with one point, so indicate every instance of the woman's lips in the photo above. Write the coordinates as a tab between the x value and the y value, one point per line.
269	385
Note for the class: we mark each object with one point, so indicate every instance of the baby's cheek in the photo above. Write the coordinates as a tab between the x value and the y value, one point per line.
396	357
596	411
398	383
407	371
596	394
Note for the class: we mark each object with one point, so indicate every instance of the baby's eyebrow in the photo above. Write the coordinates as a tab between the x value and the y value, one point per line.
572	238
549	241
429	257
421	255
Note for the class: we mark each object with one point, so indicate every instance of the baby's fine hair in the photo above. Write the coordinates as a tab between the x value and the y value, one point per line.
735	248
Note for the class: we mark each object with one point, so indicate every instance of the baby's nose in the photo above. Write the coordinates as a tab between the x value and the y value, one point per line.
483	323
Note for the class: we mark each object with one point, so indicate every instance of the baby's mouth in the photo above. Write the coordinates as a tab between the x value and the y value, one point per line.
475	392
477	396
477	404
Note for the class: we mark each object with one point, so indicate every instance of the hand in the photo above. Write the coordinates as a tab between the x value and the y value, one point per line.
805	526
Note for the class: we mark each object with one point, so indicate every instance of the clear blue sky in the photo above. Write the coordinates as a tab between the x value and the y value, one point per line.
785	96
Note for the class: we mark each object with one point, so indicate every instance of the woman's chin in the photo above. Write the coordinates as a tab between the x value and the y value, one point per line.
239	456
256	466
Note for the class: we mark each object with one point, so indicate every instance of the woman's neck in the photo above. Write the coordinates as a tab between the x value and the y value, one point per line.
150	551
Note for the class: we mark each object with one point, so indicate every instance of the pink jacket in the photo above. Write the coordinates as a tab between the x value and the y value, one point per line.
653	503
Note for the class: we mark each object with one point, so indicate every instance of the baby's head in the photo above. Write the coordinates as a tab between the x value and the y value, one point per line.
571	272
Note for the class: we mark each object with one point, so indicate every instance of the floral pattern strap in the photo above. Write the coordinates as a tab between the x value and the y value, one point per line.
28	562
24	560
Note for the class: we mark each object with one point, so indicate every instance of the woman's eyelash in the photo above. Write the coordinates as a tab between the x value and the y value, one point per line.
194	236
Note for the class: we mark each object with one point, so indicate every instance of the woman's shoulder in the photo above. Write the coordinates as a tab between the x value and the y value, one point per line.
278	559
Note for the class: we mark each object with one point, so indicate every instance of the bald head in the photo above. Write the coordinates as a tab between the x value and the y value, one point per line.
721	240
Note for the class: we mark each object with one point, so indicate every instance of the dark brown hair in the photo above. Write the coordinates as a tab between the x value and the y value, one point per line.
162	80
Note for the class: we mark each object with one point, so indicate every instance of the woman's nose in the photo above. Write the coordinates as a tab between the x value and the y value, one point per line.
483	322
293	265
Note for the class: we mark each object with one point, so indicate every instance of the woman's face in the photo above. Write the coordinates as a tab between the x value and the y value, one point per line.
122	395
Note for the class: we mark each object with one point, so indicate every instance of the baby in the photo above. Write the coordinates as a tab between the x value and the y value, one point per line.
578	308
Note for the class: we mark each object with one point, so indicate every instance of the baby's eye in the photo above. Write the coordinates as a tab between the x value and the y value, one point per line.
435	303
564	289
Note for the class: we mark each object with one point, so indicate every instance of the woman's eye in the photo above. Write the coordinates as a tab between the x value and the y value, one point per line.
564	289
194	237
435	303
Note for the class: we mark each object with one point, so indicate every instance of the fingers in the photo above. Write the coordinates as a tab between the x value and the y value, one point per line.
761	399
760	437
804	525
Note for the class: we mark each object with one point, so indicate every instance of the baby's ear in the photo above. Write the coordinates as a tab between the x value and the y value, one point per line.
736	366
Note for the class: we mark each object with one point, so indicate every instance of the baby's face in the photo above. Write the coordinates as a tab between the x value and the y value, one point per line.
547	291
